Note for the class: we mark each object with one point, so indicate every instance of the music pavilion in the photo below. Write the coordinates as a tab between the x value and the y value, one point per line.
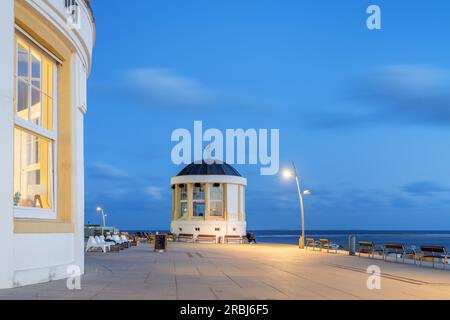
45	58
208	199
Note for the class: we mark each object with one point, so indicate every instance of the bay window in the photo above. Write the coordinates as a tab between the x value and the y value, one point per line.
198	200
216	200
183	200
35	135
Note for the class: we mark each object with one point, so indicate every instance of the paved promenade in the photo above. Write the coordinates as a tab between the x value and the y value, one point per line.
206	271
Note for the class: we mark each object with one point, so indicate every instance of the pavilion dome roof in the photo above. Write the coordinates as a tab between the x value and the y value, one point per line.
203	168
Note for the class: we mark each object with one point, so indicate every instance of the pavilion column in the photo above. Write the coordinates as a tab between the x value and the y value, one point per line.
190	191
6	142
174	202
225	203
207	211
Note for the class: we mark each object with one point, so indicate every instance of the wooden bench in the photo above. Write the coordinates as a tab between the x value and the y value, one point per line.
369	248
233	238
185	237
170	237
398	249
206	238
435	252
326	244
135	241
311	242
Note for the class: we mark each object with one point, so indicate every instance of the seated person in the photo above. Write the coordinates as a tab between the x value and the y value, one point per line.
251	237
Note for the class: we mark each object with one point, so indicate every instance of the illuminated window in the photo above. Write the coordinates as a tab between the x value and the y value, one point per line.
183	200
198	200
34	132
216	200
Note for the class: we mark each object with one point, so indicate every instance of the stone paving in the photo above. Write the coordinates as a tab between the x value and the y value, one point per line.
234	271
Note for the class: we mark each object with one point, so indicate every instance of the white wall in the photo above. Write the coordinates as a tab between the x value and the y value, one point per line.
41	257
41	250
6	141
232	202
208	227
31	258
83	38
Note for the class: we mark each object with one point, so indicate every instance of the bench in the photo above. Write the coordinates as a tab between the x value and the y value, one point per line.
170	237
135	241
206	238
185	237
435	252
326	244
310	242
233	238
398	249
369	248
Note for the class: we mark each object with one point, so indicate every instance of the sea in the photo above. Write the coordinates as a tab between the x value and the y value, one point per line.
412	239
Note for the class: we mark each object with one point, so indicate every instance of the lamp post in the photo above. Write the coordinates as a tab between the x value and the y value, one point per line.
288	174
100	209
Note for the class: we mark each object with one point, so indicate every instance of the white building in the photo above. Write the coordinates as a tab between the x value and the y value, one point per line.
45	58
208	199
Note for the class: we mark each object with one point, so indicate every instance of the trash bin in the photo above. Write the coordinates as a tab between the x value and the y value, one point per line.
351	245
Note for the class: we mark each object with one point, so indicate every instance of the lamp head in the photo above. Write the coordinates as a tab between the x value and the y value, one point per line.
99	209
287	173
307	192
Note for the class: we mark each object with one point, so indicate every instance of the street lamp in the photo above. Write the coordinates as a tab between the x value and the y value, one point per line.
100	209
293	173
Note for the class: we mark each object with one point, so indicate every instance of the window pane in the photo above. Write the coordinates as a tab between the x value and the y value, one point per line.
47	79
183	209
35	106
32	171
199	193
216	192
22	100
216	208
47	113
36	70
22	61
199	209
183	193
34	86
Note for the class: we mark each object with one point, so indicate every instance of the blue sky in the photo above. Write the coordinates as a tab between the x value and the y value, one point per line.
365	114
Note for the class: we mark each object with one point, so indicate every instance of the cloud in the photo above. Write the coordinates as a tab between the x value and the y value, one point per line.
400	94
419	94
424	188
166	88
105	171
155	192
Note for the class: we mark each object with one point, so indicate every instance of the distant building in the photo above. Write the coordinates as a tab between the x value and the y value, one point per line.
45	59
208	199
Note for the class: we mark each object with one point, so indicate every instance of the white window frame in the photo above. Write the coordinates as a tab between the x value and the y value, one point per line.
196	201
180	201
211	200
31	128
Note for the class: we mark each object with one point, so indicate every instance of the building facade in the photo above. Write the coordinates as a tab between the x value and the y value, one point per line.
45	59
208	199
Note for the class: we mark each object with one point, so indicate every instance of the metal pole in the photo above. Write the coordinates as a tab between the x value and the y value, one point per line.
103	217
302	239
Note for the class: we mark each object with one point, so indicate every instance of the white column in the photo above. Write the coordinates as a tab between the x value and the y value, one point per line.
6	142
79	109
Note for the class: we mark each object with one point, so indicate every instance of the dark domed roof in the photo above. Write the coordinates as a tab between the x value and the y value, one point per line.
215	168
